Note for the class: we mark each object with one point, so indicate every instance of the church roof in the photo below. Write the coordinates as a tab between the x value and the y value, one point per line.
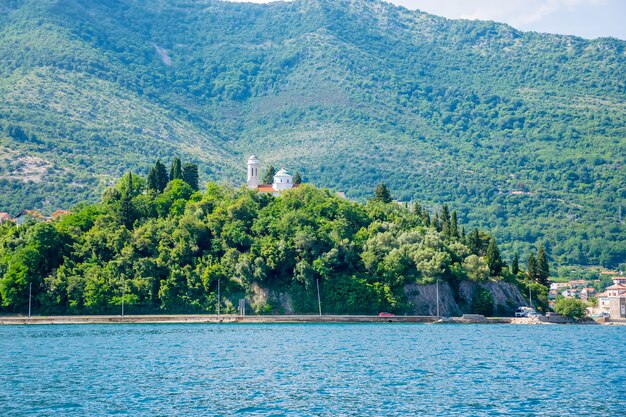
282	173
268	188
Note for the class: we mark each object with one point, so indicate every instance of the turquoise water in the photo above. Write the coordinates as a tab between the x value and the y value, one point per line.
312	370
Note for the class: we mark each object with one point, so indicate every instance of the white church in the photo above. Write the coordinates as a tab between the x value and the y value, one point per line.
283	180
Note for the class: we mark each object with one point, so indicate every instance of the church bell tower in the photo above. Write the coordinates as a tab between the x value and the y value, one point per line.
253	172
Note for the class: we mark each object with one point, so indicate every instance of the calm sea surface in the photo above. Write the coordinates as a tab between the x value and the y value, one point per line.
312	370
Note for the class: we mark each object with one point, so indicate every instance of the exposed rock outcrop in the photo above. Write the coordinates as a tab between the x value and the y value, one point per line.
423	298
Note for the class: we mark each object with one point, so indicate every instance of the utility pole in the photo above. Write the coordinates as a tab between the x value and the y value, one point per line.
437	298
123	293
319	300
30	297
530	295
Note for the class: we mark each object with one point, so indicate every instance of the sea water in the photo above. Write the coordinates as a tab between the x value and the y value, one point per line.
312	370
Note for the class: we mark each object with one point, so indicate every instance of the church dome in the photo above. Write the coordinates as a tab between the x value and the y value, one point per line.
282	180
282	173
253	158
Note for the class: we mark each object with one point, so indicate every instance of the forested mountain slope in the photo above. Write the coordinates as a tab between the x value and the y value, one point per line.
524	133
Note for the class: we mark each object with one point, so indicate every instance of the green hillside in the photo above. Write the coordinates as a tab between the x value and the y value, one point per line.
523	133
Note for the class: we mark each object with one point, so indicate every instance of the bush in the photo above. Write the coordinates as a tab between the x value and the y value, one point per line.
571	307
482	302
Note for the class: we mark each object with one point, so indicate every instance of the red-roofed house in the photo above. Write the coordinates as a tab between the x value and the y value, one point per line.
586	293
26	215
59	213
619	280
613	300
5	217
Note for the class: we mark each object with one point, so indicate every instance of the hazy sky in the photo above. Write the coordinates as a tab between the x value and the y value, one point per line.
586	18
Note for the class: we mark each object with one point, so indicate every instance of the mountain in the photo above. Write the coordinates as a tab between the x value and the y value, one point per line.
523	133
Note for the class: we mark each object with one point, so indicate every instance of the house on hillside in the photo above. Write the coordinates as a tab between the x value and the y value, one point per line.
59	213
587	293
613	301
619	280
26	215
5	217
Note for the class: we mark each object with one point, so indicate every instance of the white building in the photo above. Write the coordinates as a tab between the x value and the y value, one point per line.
283	180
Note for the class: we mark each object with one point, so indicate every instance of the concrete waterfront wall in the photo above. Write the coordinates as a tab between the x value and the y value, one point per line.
200	318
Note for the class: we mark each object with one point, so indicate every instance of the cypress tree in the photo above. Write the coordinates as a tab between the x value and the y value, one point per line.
473	242
190	175
425	218
435	222
161	176
297	179
494	261
176	170
126	209
268	178
382	193
454	226
445	220
515	264
531	267
152	183
543	267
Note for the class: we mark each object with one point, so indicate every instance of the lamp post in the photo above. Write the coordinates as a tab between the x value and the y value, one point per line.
437	297
319	300
30	297
123	293
218	297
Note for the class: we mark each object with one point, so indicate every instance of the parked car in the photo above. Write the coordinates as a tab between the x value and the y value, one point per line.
552	314
385	314
524	311
533	314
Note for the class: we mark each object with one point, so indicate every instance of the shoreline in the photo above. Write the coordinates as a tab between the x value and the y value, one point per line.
234	318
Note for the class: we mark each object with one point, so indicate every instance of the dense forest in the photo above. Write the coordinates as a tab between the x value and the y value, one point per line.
160	245
523	133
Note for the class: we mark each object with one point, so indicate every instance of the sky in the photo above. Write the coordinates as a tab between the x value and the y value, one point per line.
585	18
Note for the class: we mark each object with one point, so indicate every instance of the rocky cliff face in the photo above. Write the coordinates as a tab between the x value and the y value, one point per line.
422	298
506	297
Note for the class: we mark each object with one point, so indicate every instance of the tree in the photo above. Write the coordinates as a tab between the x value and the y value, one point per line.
131	184
152	181
22	270
176	170
126	209
476	268
382	193
190	175
531	267
454	225
515	264
157	177
297	179
474	243
482	302
161	175
543	267
268	178
493	258
571	307
445	220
